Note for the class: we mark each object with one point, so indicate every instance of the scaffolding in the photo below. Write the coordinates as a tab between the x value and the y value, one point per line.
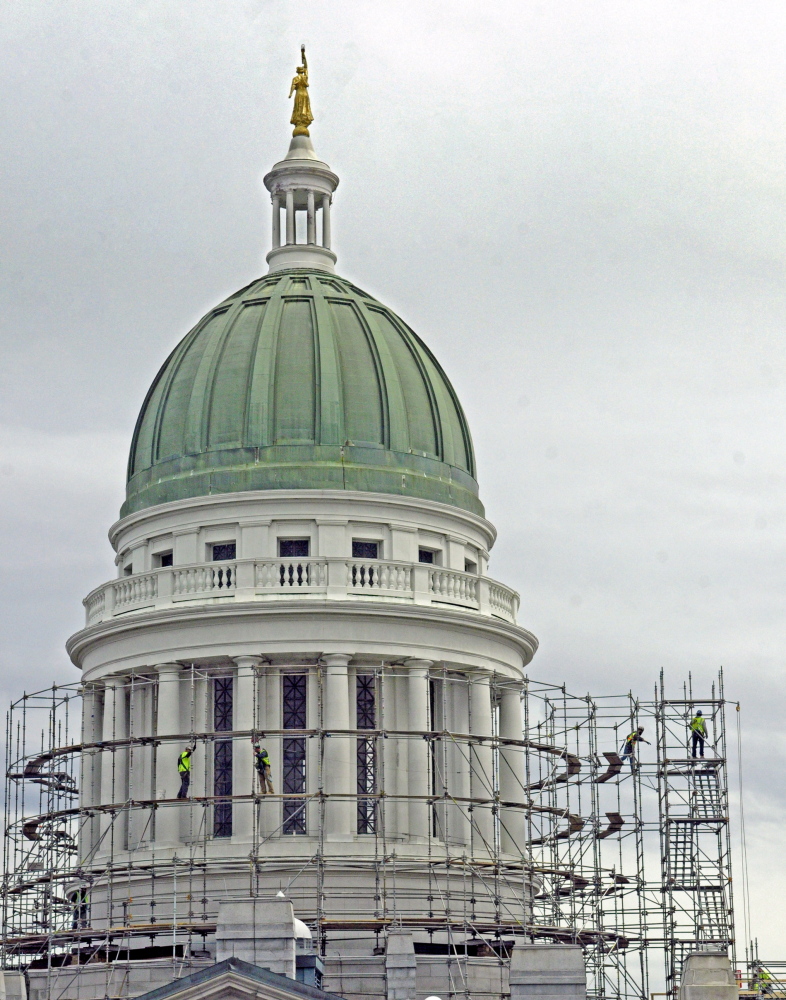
557	836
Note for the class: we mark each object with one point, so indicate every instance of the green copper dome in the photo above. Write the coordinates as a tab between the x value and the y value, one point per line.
301	381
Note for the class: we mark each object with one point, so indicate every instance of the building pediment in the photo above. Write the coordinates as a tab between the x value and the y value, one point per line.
234	979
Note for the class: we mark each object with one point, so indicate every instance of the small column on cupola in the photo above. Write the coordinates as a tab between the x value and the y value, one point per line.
301	184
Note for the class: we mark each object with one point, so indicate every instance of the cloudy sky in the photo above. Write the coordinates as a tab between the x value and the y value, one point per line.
581	207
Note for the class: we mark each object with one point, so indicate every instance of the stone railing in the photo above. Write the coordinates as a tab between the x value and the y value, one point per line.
253	580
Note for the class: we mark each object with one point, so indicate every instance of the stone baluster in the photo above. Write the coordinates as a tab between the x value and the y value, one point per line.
513	826
336	766
167	778
418	748
243	776
482	760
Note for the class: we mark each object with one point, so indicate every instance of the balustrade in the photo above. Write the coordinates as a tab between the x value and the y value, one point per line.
331	578
277	574
458	588
205	579
135	589
373	574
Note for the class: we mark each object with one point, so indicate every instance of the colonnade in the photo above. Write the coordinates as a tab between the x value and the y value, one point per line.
466	789
312	206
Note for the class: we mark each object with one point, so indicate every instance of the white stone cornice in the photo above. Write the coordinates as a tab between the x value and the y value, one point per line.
372	629
399	506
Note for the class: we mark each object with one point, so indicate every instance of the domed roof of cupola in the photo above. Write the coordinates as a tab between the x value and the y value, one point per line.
301	381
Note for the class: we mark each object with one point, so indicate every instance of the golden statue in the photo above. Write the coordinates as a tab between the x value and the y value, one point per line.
301	113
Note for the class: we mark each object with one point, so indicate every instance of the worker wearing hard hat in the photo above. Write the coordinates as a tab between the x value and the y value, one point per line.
698	732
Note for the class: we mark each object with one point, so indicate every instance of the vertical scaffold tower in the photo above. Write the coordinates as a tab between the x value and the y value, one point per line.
694	823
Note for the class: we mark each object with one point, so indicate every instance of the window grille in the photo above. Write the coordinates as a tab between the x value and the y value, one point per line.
365	693
294	688
227	551
365	550
293	548
222	756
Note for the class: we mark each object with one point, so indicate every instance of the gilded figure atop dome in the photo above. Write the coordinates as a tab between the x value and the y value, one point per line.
301	113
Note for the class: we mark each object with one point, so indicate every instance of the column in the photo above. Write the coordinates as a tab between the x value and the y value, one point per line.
459	758
290	202
114	765
243	777
482	760
167	777
311	219
326	221
513	826
336	759
269	809
418	748
90	776
276	221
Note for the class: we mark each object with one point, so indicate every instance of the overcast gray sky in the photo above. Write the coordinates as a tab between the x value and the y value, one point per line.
579	205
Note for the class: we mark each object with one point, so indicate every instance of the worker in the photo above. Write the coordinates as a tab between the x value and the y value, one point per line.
763	980
698	730
184	770
630	743
262	765
80	908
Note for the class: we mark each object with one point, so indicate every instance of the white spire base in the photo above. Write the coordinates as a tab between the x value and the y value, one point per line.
301	183
302	255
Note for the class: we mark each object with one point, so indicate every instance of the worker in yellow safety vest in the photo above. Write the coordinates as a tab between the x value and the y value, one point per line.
184	770
630	745
763	982
262	765
698	731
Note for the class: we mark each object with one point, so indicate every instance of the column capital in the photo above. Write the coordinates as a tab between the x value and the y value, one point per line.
336	659
248	662
113	682
168	668
419	665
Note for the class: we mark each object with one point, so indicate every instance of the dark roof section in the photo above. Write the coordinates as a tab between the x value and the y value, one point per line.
241	968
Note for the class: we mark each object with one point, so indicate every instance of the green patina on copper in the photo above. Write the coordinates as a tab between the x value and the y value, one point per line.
301	381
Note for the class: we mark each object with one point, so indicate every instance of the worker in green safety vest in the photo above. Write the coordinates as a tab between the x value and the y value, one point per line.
763	982
262	765
698	731
184	770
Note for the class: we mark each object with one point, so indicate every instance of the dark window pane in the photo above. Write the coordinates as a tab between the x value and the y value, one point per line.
425	556
294	700
166	558
222	704
364	550
366	752
293	548
294	689
222	756
224	551
294	779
